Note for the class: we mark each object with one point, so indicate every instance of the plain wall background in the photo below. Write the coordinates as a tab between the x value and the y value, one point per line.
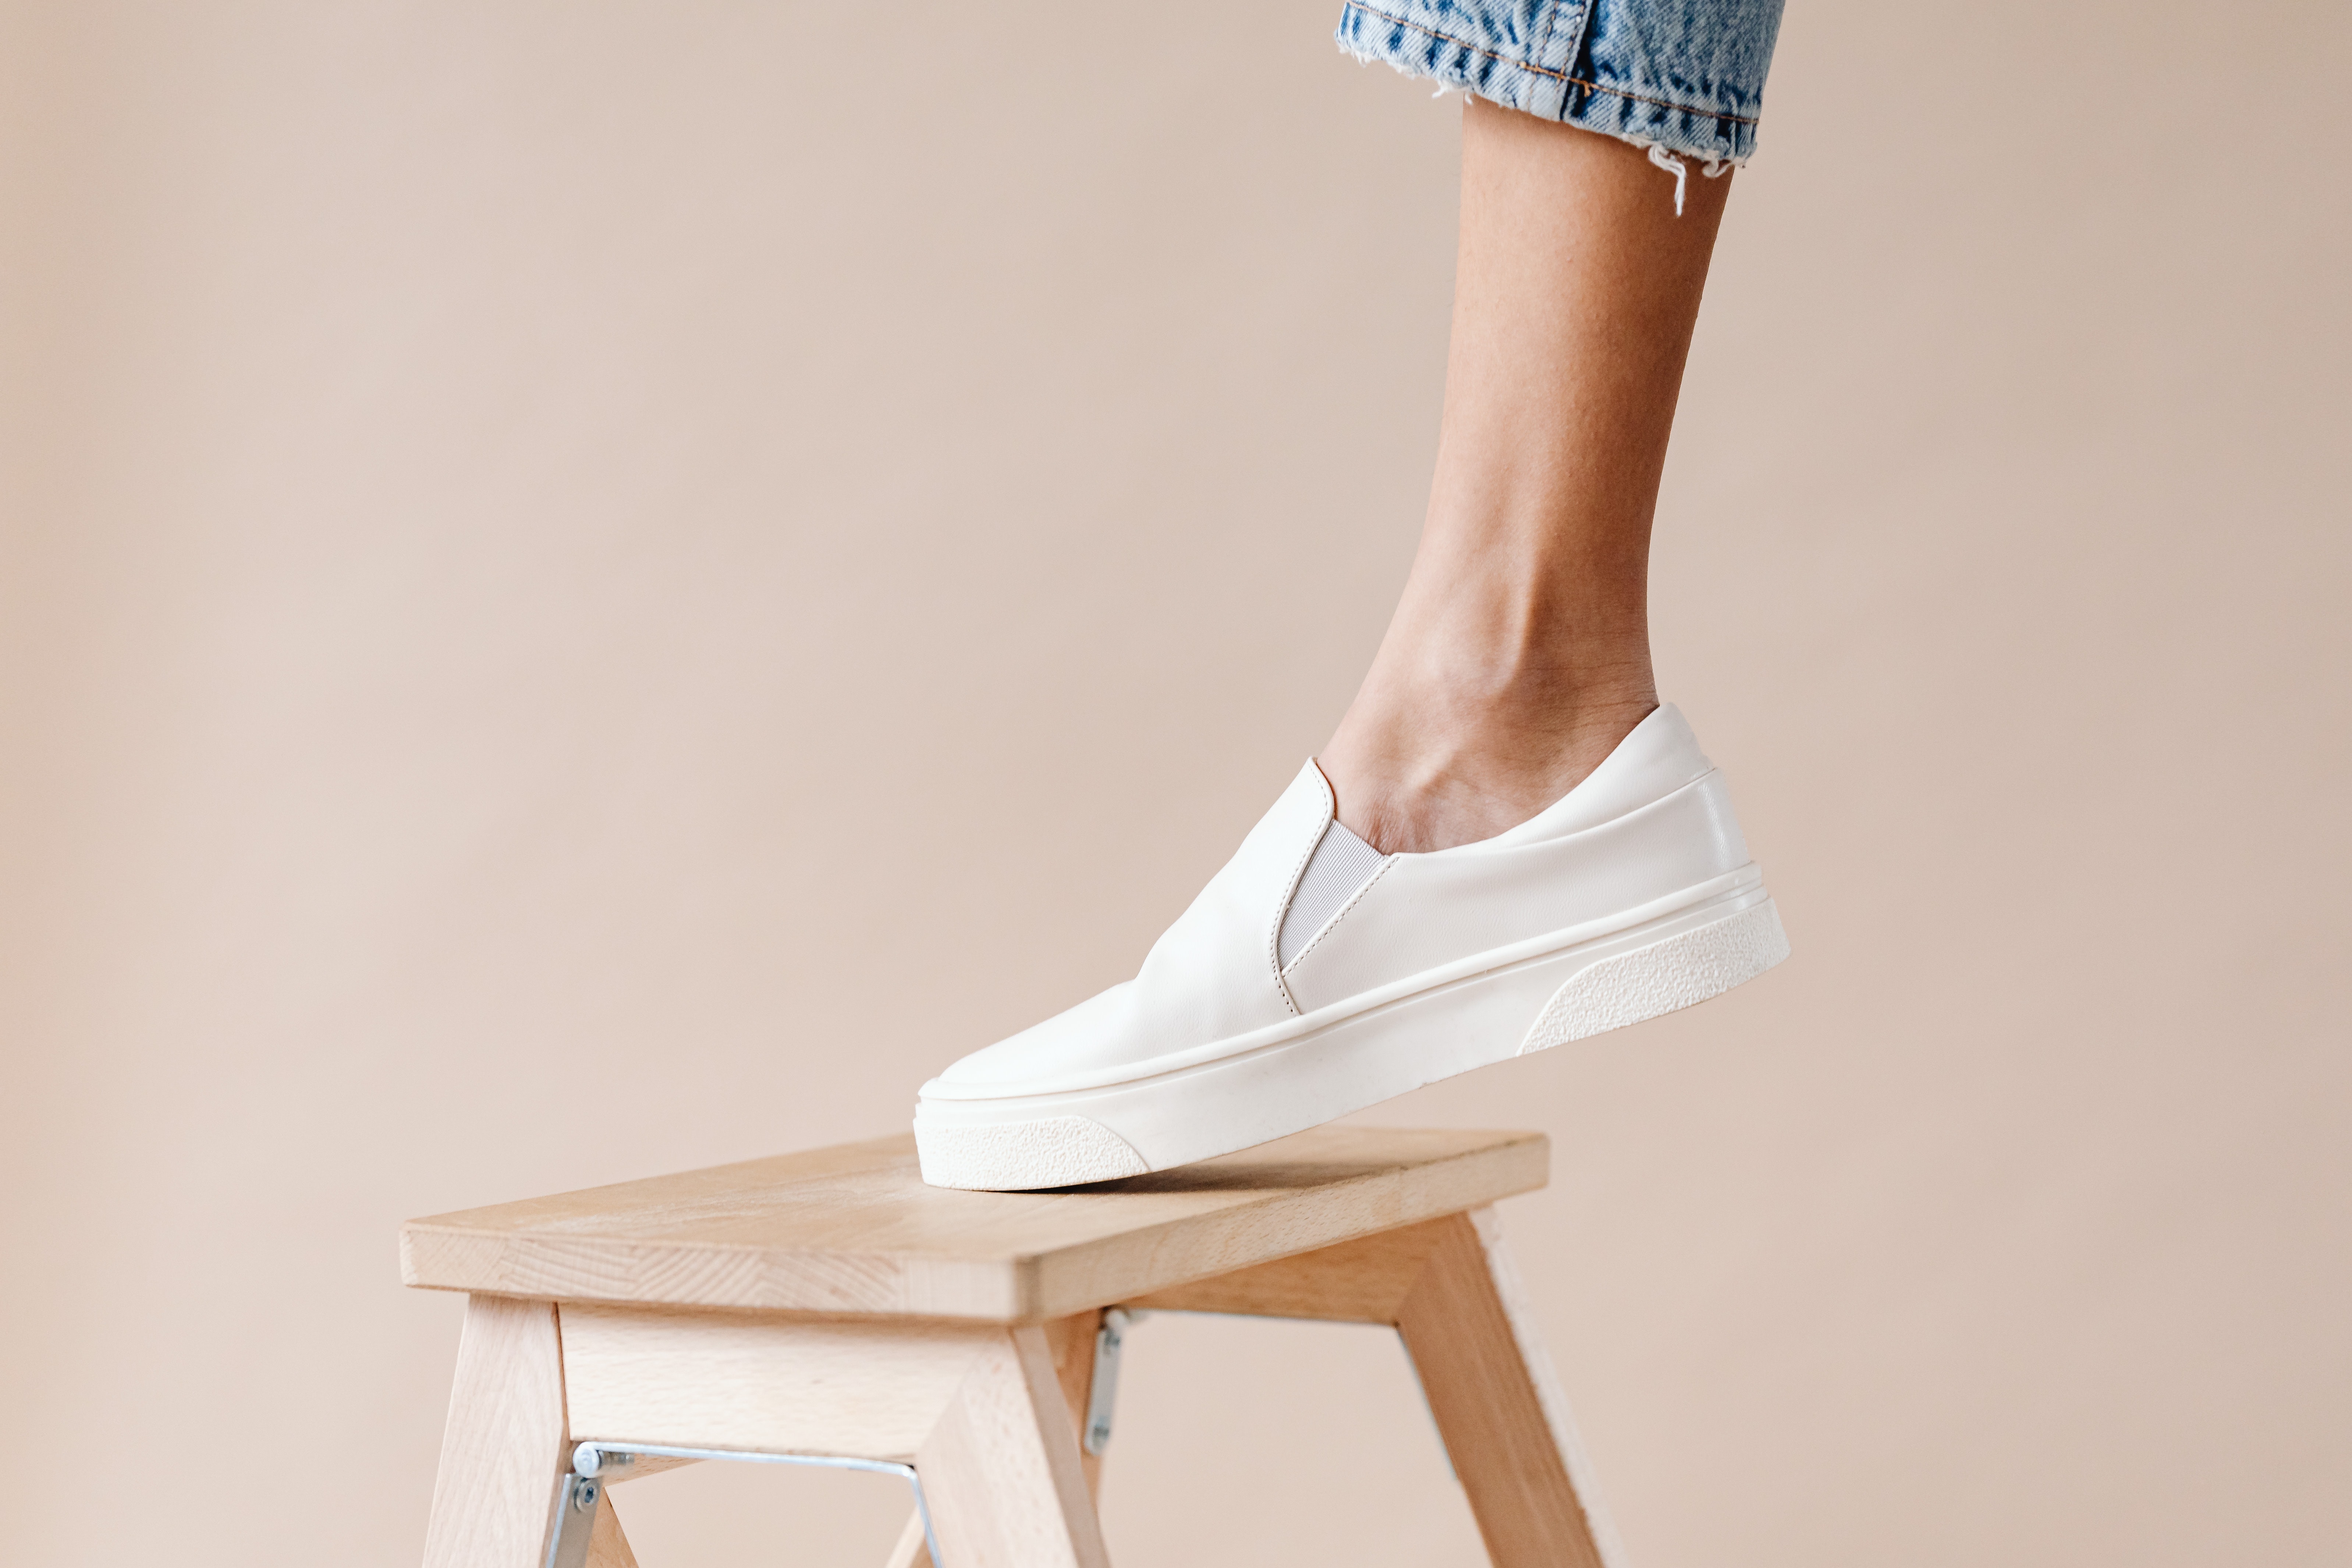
591	589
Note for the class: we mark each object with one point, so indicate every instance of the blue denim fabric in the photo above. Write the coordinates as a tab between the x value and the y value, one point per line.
1684	75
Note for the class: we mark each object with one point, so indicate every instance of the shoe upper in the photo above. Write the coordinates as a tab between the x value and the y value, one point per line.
1653	820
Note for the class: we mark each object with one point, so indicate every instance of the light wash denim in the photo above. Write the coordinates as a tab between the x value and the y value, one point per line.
1683	76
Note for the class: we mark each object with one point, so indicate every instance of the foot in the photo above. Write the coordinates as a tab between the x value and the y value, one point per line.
1416	772
1317	974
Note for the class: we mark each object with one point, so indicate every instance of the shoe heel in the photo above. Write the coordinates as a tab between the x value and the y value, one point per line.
1673	971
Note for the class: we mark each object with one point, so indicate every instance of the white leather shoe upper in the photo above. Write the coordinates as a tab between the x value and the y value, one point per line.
1653	820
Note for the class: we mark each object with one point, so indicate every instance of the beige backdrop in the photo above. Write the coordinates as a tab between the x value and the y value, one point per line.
595	588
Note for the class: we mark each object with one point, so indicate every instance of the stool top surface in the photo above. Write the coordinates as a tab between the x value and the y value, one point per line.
852	1231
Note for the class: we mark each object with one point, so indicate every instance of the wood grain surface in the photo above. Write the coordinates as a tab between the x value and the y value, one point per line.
1003	1471
1071	1342
607	1546
504	1447
765	1381
1497	1404
1362	1281
852	1230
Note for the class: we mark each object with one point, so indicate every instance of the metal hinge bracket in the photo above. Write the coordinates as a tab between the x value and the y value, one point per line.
1102	1395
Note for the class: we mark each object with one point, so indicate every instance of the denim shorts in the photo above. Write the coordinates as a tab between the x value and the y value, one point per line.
1681	76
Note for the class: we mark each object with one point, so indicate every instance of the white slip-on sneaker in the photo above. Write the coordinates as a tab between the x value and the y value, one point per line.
1314	975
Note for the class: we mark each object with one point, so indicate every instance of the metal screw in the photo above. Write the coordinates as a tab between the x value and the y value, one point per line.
585	1498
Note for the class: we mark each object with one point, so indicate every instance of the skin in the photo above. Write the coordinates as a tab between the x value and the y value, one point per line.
1519	655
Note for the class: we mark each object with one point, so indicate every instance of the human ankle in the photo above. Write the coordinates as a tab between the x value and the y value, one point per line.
1418	766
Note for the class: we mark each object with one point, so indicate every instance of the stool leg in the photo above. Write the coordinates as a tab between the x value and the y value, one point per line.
607	1547
503	1450
1071	1342
912	1550
1498	1406
1002	1471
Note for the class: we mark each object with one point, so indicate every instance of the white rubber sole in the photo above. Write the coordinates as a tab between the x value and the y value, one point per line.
1567	986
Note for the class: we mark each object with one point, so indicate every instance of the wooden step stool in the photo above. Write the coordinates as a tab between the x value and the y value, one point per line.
829	1308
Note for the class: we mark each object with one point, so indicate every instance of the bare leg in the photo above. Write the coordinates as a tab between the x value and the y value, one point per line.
1520	656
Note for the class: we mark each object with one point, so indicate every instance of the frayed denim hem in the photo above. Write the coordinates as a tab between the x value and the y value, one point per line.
1514	72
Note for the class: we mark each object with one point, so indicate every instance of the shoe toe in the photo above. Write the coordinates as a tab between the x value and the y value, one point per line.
1043	1058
